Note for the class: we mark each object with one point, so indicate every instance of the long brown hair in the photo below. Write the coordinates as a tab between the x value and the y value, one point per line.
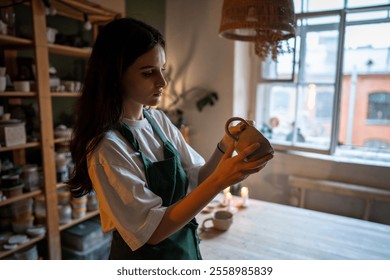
99	107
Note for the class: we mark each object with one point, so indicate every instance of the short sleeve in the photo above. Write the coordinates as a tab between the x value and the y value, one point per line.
125	202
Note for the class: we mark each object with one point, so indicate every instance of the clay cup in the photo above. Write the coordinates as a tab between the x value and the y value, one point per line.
248	136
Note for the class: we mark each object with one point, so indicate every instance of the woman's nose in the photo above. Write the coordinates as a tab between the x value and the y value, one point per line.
162	82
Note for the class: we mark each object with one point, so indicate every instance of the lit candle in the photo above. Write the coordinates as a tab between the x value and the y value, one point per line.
244	196
229	200
225	195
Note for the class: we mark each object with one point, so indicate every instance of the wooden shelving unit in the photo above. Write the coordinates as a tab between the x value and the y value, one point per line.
75	10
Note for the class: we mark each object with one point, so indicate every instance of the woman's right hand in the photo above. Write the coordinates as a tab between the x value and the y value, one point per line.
234	169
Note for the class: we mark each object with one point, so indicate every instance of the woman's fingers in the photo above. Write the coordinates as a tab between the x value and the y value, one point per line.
260	161
236	169
229	151
248	151
254	170
251	167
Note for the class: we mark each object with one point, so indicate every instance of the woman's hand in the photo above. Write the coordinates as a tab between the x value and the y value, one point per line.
222	150
232	170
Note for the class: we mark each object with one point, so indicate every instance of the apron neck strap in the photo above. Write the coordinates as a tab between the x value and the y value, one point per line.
124	129
155	127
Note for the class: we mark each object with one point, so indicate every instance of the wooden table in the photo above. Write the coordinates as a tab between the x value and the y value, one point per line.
272	231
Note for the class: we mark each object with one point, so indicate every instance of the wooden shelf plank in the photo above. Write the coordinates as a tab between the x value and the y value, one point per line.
69	51
18	147
89	7
32	241
13	41
17	94
65	94
20	197
61	140
77	8
87	216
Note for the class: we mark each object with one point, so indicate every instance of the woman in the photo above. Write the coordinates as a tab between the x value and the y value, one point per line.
135	159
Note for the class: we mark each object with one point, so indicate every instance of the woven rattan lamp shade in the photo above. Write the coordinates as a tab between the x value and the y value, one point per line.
265	22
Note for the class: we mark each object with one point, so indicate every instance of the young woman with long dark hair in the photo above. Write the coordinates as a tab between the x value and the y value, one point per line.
149	182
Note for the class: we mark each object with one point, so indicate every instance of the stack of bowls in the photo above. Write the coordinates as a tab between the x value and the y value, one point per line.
79	207
22	215
64	208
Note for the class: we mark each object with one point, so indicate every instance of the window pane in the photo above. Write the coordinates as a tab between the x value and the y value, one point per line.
319	61
314	120
283	123
279	110
321	5
322	20
282	69
298	6
367	16
319	53
365	106
365	3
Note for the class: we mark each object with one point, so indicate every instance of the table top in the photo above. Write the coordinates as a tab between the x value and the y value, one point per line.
271	231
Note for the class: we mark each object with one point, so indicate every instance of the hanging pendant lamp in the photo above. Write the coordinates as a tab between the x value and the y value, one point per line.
267	23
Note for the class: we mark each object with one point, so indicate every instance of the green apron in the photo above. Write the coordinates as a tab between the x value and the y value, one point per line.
168	180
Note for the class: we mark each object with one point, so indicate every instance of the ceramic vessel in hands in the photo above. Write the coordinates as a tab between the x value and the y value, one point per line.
248	136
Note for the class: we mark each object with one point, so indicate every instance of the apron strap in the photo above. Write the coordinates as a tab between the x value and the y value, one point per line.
125	131
155	127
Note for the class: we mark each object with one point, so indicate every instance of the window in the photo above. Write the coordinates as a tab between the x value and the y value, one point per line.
338	101
378	107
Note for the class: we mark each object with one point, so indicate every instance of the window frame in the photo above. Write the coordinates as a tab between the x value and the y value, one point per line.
334	134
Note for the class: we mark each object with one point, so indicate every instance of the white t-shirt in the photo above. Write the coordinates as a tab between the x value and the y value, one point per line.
117	174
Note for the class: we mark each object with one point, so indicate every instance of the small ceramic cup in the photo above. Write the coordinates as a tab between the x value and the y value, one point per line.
248	136
221	220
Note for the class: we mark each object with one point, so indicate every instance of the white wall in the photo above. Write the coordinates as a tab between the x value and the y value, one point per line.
201	59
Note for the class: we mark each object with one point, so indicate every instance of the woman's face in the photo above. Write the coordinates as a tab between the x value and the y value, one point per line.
143	82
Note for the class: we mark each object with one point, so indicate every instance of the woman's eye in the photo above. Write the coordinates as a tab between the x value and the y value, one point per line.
151	72
148	73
